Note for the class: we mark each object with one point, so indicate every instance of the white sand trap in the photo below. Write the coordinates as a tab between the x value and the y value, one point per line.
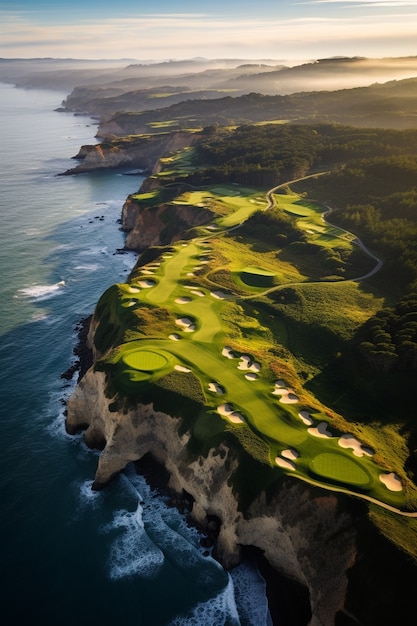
174	337
220	295
147	283
181	368
349	441
306	418
287	396
184	322
227	411
215	388
198	293
228	353
147	272
250	376
190	274
391	481
236	418
284	463
320	431
132	302
244	362
183	300
190	329
212	227
290	454
133	289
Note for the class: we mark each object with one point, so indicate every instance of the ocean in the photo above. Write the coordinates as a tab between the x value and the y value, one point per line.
68	554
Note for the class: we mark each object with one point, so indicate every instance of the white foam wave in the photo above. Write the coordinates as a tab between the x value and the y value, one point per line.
41	292
92	267
217	611
250	595
132	552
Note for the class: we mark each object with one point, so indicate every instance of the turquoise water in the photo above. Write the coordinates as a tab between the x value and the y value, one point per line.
70	555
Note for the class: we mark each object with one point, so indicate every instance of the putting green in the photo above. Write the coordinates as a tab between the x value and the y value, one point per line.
257	277
145	360
338	467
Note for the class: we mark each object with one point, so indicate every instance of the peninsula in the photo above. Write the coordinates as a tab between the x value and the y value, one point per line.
263	348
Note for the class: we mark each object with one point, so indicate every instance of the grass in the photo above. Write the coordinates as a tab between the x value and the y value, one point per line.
173	314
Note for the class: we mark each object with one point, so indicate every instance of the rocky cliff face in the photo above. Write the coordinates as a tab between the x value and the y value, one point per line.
137	152
300	530
158	225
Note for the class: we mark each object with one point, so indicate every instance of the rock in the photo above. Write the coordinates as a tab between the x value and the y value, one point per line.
301	530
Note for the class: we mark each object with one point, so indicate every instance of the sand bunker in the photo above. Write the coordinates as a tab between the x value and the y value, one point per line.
131	302
147	272
190	274
227	411
228	353
251	376
391	481
216	388
147	283
220	295
320	431
185	323
174	337
349	441
306	418
244	364
287	396
181	368
133	290
284	463
290	454
211	227
183	300
195	291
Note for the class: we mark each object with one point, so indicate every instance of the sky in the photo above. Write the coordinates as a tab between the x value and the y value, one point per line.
180	29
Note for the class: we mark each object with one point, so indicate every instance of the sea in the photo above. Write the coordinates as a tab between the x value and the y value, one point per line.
70	555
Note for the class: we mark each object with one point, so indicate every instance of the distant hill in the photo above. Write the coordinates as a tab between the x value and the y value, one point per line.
389	105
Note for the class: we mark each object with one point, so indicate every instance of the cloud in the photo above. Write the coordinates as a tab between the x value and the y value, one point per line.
365	3
174	35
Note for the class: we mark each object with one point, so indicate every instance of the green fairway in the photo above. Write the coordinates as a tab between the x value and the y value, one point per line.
175	315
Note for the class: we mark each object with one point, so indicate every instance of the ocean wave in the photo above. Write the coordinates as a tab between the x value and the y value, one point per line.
41	292
132	552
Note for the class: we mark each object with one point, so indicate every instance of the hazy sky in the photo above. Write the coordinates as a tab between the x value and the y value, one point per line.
176	29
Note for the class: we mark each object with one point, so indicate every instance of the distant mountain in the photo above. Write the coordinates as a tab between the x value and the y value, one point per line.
390	105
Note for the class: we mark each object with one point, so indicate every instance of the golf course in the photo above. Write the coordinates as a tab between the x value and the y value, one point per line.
181	316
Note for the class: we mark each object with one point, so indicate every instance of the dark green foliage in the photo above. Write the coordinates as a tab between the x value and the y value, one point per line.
377	199
273	227
392	337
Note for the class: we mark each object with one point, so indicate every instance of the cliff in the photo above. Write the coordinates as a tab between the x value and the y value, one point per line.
133	151
158	225
300	529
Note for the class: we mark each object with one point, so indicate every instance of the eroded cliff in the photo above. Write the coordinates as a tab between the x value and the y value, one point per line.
139	151
300	529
